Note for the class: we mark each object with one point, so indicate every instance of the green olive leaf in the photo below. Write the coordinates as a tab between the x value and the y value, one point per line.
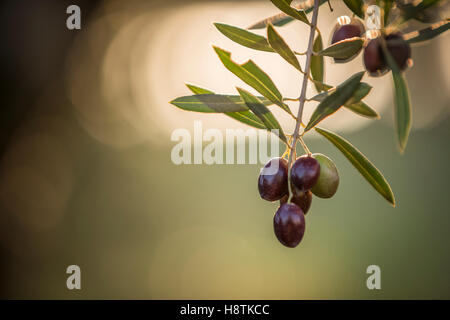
354	103
244	37
279	45
344	49
356	6
285	6
245	116
317	65
262	112
360	93
282	19
210	103
361	163
362	109
197	90
332	102
416	10
401	100
386	5
428	33
252	75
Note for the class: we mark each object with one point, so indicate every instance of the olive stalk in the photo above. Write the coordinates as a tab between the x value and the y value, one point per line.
302	98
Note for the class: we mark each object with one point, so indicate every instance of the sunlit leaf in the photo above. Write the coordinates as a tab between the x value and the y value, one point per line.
285	6
244	37
262	112
356	6
246	116
360	93
279	45
354	103
401	99
210	103
335	100
362	109
428	33
252	75
361	163
197	90
317	64
344	49
281	19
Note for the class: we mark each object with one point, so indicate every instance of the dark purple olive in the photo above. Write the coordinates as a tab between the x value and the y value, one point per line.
289	224
305	173
302	199
399	49
273	180
347	28
374	60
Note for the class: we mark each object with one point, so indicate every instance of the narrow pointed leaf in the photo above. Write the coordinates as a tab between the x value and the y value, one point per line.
386	5
197	90
356	6
210	103
362	109
262	112
285	6
361	163
252	75
244	37
277	20
354	103
281	19
428	33
361	92
416	11
335	100
344	49
279	45
317	64
401	99
246	116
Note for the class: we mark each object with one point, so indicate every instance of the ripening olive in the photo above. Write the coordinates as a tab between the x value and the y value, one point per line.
374	60
347	28
328	181
305	173
399	49
289	224
302	199
273	180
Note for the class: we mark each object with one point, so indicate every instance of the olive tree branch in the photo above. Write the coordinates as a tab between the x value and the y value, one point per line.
302	98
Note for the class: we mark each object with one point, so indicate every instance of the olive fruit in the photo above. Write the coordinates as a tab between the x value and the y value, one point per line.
305	173
273	180
374	60
328	181
302	199
289	224
347	28
399	49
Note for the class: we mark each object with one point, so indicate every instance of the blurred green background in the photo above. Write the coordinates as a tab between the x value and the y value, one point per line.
86	176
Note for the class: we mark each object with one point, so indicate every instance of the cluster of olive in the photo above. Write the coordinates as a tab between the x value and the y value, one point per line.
310	174
315	173
373	57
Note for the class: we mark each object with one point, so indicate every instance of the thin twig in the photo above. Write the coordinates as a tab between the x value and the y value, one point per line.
305	81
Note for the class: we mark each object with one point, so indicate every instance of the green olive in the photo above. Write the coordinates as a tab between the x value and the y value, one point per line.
328	181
